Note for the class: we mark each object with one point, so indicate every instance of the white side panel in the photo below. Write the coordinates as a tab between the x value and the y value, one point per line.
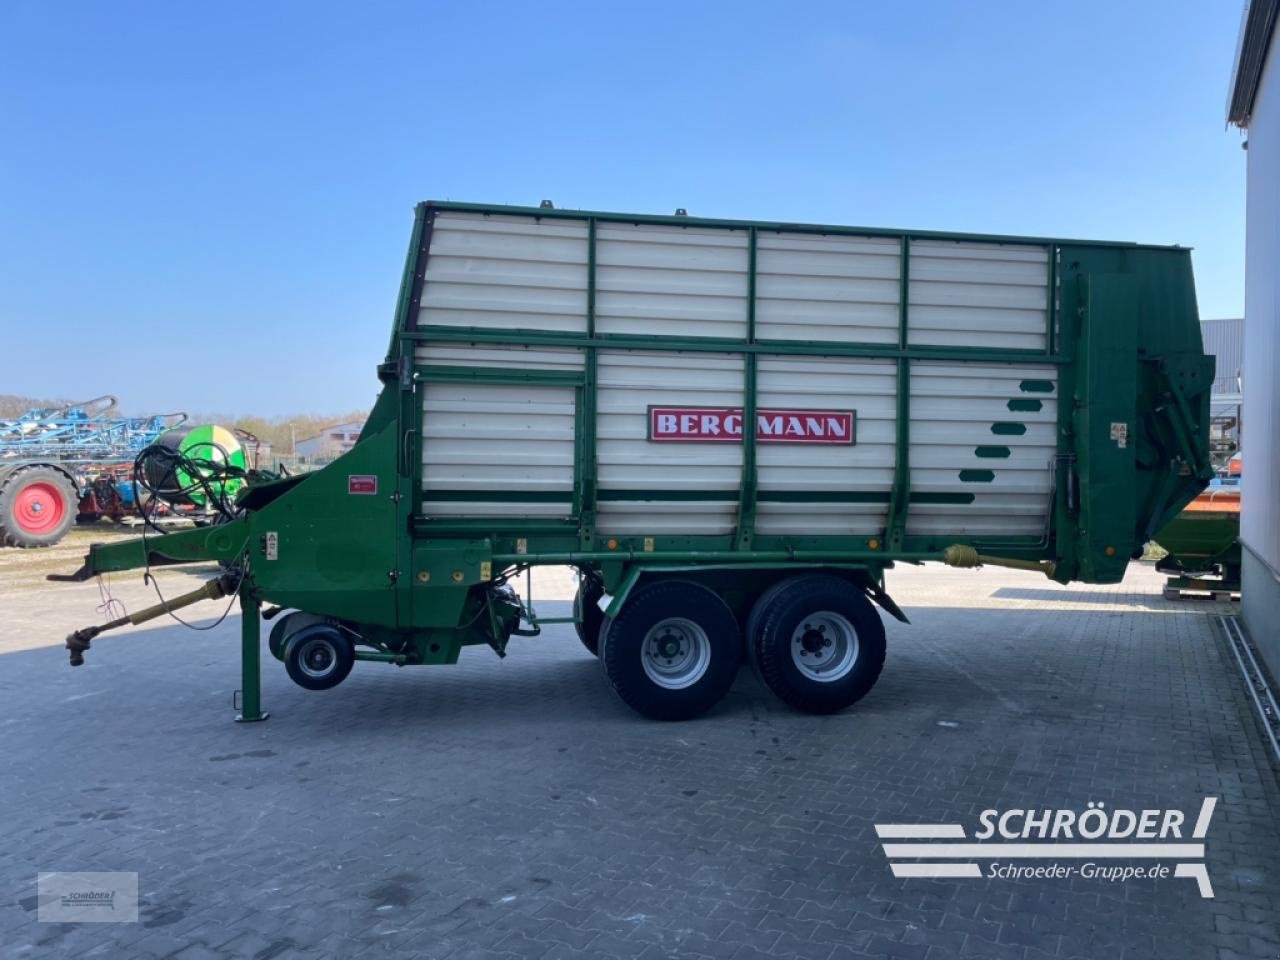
667	517
867	387
683	281
564	359
504	273
630	381
479	437
1260	519
954	410
978	294
836	288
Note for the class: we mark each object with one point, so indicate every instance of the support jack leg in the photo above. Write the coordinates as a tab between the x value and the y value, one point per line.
250	669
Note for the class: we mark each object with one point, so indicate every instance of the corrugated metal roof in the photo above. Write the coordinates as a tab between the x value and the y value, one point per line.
1224	339
1256	30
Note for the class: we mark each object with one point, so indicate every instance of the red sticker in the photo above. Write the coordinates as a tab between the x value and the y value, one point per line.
363	483
724	425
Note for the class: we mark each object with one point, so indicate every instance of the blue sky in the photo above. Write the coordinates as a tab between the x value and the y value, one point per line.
206	206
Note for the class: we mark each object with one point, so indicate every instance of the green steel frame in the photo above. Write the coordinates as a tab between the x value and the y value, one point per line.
1122	335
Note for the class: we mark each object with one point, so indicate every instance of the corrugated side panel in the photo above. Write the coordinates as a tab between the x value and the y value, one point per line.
564	359
684	281
865	386
500	273
1224	340
837	288
479	436
629	382
962	427
978	294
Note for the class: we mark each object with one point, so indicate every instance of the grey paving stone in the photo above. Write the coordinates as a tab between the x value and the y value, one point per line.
513	809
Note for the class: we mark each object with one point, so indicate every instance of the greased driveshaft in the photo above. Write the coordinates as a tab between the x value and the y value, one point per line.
78	642
961	555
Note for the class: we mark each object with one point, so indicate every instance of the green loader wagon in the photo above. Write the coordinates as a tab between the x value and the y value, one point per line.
731	429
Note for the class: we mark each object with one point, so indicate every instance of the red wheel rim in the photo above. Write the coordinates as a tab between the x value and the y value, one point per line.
39	508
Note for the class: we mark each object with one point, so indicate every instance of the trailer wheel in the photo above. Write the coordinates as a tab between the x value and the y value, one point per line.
820	645
287	626
586	610
757	614
37	507
318	656
673	651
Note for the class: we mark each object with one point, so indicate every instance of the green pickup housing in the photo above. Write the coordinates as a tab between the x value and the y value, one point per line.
352	541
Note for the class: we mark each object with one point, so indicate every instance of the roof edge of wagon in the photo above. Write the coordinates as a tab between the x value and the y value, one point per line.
781	226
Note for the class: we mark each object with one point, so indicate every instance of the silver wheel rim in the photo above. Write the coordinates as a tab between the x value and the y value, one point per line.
824	646
675	653
317	658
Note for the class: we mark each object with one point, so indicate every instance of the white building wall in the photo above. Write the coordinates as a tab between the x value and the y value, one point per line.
1260	519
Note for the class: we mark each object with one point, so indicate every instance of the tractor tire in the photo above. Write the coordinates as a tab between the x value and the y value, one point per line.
318	656
38	505
673	652
820	645
587	610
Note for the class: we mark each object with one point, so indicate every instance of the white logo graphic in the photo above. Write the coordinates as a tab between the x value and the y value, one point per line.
1061	835
87	897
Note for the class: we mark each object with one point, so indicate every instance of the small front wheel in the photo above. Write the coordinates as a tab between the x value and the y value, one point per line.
318	657
820	645
287	626
673	651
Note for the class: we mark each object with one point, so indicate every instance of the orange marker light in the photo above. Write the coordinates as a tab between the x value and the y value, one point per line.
873	544
612	544
1111	551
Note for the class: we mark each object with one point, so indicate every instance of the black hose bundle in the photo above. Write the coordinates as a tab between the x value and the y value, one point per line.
164	473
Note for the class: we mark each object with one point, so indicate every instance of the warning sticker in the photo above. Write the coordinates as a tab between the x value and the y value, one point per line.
362	483
1120	434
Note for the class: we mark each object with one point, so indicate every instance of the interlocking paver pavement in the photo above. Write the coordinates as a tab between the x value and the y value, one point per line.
514	809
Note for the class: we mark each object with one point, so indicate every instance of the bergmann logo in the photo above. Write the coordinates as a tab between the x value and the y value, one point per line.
1059	835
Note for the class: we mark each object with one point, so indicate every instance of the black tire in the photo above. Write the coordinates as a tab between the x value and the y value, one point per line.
38	505
752	628
318	656
286	626
704	640
832	621
588	613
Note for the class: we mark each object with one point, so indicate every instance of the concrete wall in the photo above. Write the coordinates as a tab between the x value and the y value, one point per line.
1260	521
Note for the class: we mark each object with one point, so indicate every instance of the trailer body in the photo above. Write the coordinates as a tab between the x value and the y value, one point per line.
733	406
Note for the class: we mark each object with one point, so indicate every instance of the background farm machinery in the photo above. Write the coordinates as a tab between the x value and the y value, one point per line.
80	462
1203	541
